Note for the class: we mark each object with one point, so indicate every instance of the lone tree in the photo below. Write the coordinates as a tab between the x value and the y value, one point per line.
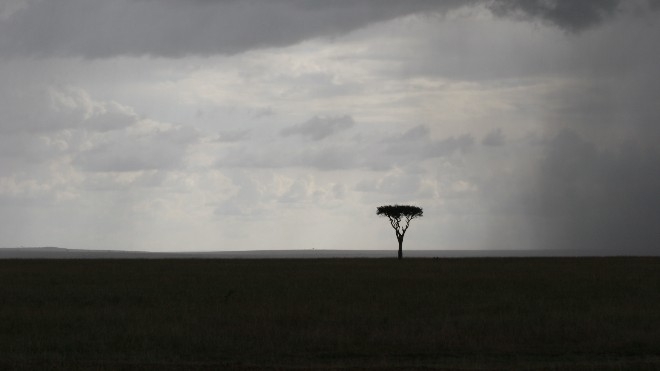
400	217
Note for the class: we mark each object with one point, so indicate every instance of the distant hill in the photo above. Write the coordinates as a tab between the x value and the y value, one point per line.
63	253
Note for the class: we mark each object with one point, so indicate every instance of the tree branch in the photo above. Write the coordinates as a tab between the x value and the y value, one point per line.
395	222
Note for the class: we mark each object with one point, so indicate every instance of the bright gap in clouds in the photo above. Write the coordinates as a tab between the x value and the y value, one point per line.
508	123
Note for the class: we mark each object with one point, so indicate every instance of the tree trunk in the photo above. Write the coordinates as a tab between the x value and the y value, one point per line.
400	248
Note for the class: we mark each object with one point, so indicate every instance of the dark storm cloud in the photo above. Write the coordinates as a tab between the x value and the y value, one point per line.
590	198
173	28
597	185
567	14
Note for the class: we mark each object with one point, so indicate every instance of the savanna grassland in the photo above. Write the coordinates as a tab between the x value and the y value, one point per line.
457	314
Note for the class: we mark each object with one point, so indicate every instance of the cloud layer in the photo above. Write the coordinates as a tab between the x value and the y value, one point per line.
283	123
318	128
175	29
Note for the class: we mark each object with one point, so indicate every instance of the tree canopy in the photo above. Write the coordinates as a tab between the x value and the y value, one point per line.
397	211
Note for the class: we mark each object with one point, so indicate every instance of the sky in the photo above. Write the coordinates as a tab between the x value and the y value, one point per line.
199	125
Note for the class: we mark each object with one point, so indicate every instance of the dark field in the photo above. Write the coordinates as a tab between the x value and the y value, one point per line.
458	314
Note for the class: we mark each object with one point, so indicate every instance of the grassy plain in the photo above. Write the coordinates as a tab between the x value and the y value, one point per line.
457	314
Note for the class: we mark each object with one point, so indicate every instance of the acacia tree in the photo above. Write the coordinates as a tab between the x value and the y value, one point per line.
400	217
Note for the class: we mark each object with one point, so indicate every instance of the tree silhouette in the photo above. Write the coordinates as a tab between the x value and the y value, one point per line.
400	217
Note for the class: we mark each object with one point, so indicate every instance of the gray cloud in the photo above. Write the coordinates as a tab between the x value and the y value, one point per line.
494	138
172	28
589	198
229	136
566	14
506	52
41	109
377	153
41	125
248	201
332	157
159	149
416	144
396	184
596	186
318	128
178	28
